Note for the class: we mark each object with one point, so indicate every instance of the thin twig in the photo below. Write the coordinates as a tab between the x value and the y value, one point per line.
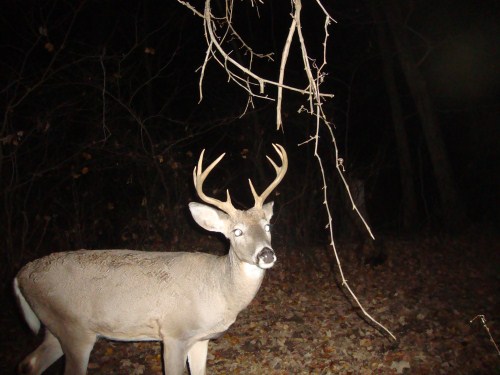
483	321
284	59
105	129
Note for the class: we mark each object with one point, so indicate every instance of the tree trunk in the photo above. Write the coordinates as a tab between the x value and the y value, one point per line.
452	209
409	201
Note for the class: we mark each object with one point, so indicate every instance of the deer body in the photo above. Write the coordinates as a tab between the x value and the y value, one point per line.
96	287
182	299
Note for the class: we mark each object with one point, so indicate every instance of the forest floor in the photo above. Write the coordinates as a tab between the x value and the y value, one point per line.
301	322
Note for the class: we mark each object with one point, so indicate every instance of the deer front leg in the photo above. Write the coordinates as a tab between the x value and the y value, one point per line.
76	347
197	358
174	357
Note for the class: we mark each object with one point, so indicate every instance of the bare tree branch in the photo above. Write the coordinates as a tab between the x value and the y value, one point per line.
248	80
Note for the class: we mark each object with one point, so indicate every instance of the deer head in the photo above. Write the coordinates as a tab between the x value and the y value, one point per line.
248	231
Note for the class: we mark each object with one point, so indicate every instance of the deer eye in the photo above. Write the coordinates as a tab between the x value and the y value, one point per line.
267	228
237	232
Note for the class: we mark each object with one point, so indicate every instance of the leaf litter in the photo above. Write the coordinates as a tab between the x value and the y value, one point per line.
301	322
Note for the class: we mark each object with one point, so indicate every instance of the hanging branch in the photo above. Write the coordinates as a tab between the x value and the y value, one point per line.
249	81
315	99
242	75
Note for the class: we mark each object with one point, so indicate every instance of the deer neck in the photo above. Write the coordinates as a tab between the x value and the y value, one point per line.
243	282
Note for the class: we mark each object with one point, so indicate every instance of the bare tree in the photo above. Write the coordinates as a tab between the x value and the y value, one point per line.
409	201
453	211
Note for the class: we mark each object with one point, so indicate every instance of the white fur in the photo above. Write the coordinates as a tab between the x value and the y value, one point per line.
29	315
252	271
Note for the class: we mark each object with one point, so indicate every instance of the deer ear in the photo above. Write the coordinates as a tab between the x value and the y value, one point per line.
209	218
268	210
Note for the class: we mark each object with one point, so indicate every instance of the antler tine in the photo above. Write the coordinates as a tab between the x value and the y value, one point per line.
280	173
199	176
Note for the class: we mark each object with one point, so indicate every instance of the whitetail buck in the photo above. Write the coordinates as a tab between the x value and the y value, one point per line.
182	299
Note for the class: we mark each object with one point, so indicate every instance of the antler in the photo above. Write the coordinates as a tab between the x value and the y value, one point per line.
280	173
199	176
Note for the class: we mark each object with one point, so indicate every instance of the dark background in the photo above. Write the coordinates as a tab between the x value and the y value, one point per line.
102	125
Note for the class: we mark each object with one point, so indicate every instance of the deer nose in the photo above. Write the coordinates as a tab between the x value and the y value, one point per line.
266	258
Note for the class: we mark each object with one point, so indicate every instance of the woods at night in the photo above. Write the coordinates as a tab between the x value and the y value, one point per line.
388	112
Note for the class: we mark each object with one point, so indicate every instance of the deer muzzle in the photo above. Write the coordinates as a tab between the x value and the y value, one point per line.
266	258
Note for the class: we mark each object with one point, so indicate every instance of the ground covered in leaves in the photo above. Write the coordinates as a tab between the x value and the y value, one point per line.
301	322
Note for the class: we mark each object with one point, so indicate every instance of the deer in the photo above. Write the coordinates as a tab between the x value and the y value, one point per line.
182	299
